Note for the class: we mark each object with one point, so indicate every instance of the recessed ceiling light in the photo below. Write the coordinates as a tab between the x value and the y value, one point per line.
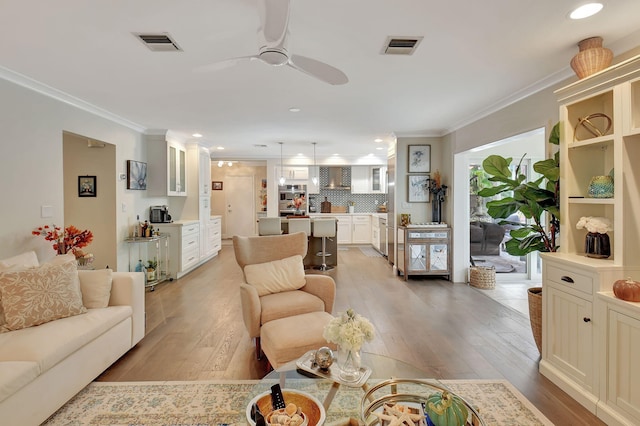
586	10
377	140
294	109
197	135
379	148
220	148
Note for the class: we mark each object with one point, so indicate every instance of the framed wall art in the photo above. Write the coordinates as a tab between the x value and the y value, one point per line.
418	188
216	185
136	175
87	186
419	159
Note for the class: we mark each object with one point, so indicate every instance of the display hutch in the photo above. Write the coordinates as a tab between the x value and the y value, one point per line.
589	336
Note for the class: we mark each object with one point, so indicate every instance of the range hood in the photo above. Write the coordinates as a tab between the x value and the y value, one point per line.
335	179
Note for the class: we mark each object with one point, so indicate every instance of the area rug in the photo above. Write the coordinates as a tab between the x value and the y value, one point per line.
370	252
224	402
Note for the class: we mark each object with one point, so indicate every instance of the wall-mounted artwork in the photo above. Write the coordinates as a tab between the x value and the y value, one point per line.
216	185
418	188
136	175
419	159
87	186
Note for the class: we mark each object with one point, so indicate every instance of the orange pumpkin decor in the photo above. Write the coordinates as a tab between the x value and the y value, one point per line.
628	290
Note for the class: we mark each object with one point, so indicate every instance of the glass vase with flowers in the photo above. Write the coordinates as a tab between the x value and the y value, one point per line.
297	203
596	242
349	331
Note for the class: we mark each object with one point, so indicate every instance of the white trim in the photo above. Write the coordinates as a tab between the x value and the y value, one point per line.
61	96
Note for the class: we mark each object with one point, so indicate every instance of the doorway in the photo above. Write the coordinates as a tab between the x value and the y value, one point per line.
240	213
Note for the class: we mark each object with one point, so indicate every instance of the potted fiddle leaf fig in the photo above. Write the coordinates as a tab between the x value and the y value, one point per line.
538	201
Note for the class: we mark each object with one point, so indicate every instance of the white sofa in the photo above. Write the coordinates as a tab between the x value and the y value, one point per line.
42	367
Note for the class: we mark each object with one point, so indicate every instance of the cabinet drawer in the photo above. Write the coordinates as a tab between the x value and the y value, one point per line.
361	219
190	230
570	279
190	257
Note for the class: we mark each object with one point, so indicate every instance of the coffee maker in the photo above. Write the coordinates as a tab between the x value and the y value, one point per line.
159	214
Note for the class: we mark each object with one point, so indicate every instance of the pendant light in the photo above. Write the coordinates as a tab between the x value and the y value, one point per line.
282	180
314	179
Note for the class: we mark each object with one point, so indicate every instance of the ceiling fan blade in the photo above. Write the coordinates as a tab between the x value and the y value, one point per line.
274	16
319	70
216	66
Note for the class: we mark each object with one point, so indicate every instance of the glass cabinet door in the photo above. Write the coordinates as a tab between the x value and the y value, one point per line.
438	257
417	257
173	169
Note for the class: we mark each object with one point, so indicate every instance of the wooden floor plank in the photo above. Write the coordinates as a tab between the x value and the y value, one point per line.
450	331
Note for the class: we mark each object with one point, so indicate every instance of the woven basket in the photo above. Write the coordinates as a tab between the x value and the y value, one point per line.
483	277
535	314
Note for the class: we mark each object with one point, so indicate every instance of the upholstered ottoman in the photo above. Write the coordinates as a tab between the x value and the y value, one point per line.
287	339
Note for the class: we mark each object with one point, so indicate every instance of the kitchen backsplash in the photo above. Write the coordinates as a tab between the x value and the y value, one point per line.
364	203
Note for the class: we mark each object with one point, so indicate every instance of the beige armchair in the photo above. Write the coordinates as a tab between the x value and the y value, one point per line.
317	295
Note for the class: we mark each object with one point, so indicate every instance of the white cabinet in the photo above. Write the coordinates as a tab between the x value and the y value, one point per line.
375	233
184	246
344	228
215	235
167	167
368	179
313	188
204	172
361	229
620	373
293	173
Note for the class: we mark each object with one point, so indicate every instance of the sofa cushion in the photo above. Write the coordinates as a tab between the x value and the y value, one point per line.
16	263
16	374
288	303
50	343
38	295
277	275
95	287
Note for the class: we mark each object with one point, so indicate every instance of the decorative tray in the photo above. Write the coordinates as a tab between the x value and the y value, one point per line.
305	363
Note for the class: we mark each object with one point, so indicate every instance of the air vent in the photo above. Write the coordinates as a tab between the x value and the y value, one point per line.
259	145
401	45
161	42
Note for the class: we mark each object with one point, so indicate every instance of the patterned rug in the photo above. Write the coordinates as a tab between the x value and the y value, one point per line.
370	252
224	402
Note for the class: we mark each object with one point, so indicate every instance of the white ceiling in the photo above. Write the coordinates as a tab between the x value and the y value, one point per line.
475	57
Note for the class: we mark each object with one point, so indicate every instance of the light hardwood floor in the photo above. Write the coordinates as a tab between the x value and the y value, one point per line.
451	331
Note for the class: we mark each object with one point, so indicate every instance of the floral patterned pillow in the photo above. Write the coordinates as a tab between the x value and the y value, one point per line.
38	295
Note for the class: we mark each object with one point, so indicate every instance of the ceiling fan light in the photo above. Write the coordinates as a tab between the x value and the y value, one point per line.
586	10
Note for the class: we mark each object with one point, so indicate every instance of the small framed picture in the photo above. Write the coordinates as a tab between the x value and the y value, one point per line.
136	175
419	159
418	188
87	186
216	185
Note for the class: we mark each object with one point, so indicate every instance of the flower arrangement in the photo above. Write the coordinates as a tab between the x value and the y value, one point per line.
298	201
349	330
71	239
600	225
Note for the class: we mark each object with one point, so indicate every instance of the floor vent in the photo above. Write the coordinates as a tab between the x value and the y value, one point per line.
401	45
161	42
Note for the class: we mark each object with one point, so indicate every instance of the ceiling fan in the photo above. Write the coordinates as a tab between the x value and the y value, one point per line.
274	16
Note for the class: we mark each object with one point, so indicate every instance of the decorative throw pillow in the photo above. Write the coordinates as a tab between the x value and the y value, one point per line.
277	275
15	263
95	287
38	295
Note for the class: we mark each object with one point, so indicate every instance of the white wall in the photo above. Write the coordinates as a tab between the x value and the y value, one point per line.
31	167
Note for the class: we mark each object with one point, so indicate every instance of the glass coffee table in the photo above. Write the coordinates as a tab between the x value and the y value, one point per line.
386	378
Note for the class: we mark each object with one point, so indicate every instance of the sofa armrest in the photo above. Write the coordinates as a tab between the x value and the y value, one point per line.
251	309
128	289
322	286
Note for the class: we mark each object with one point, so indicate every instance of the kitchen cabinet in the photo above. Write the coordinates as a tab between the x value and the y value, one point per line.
368	179
424	251
620	375
361	229
214	236
375	233
167	167
344	228
293	173
184	246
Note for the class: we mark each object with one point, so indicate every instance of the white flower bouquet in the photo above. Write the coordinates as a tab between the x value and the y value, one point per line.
601	225
349	330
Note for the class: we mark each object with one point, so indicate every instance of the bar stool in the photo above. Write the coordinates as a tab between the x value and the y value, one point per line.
300	225
269	226
324	228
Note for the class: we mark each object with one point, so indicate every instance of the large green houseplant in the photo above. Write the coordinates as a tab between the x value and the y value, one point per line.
538	201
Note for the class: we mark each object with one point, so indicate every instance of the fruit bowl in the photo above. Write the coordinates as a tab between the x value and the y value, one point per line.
311	407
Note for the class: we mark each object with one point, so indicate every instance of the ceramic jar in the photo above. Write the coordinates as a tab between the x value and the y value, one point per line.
591	58
601	187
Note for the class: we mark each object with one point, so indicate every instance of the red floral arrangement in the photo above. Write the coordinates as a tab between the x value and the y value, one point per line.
70	240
